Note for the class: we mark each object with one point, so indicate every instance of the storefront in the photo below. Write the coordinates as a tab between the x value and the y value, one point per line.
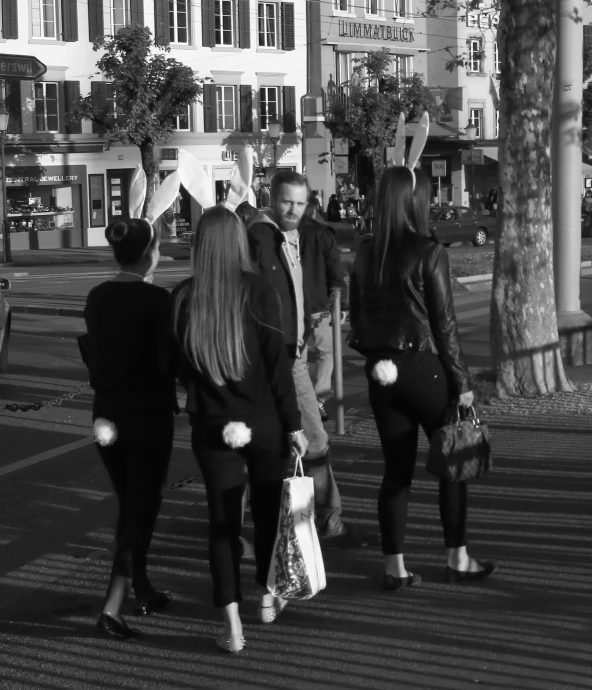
46	206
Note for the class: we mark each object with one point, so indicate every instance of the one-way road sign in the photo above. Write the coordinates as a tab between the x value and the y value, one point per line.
21	67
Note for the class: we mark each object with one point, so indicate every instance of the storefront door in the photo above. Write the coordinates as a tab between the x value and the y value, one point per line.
118	183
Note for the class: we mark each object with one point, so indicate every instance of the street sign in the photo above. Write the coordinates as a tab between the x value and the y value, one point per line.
438	168
21	67
477	157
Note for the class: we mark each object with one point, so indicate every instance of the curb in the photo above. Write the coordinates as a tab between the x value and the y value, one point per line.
586	267
43	310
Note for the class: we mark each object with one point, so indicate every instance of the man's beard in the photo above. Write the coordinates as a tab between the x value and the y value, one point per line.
287	224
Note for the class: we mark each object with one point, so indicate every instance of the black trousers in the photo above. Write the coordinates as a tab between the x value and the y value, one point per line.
223	469
420	395
137	464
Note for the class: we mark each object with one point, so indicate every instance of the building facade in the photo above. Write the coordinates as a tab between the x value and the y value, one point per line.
342	30
65	182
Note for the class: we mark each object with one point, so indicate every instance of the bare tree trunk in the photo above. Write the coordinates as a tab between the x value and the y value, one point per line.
151	170
526	348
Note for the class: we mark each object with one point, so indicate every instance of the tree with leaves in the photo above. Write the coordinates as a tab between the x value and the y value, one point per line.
524	334
367	111
150	91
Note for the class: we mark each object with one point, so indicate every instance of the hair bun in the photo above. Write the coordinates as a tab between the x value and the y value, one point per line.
116	232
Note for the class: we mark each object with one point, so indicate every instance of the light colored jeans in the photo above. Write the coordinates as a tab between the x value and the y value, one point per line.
322	338
316	461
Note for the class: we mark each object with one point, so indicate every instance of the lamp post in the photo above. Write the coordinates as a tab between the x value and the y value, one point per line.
6	255
471	132
274	127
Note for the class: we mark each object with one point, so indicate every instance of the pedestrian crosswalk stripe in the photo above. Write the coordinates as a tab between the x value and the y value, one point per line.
47	455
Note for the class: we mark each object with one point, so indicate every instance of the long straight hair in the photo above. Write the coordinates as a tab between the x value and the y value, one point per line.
213	337
395	226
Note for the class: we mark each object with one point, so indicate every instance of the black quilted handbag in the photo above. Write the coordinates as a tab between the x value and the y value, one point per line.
460	450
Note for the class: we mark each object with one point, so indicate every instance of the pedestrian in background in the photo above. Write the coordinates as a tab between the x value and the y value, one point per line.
247	213
323	274
129	353
241	404
403	321
278	254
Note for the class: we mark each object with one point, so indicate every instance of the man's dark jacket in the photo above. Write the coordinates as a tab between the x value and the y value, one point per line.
323	270
265	241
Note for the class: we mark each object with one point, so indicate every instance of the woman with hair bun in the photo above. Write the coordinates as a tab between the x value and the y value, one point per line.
129	354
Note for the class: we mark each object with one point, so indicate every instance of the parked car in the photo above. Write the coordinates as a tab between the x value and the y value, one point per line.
461	224
5	319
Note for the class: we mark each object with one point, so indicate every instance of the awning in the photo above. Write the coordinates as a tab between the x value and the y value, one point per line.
586	169
490	152
436	130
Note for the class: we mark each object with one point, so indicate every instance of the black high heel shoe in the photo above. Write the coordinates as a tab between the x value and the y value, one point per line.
152	602
459	577
108	625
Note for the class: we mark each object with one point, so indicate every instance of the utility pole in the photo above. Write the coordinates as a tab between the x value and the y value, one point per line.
575	327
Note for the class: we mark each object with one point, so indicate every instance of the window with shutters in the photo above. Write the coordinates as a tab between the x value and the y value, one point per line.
474	63
44	19
587	36
225	22
268	105
476	118
46	107
115	15
178	21
110	100
268	24
226	107
402	66
183	122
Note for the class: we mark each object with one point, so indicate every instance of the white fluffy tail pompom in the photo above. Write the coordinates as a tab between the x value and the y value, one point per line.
236	434
105	432
385	372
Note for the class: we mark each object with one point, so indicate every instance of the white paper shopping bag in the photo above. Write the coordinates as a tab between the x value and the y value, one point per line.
297	570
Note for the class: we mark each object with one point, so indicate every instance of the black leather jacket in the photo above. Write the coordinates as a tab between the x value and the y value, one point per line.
417	314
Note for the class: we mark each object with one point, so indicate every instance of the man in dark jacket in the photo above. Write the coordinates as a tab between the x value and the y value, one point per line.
284	256
323	273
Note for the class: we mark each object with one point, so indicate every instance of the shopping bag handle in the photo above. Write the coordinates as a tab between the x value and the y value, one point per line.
298	464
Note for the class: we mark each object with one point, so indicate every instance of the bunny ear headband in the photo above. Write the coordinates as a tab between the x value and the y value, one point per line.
192	176
417	145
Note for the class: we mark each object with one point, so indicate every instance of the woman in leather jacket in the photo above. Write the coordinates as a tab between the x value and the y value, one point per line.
403	321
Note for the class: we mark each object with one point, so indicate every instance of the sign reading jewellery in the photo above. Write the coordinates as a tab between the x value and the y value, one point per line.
375	32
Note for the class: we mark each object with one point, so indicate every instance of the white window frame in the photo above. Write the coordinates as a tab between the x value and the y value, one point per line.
276	24
475	62
476	118
110	99
177	121
496	58
342	7
39	20
45	84
379	14
403	11
344	60
222	91
109	10
397	61
496	126
174	27
267	89
218	13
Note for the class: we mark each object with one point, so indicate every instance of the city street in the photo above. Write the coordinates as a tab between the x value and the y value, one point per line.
528	627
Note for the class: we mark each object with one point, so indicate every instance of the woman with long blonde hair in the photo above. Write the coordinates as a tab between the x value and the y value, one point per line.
241	402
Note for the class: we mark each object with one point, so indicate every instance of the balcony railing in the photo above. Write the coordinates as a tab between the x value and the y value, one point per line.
335	101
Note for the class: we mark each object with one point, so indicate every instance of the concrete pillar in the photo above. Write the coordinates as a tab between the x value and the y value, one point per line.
575	327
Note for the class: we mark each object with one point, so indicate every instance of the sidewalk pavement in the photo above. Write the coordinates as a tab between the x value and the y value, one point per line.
526	628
